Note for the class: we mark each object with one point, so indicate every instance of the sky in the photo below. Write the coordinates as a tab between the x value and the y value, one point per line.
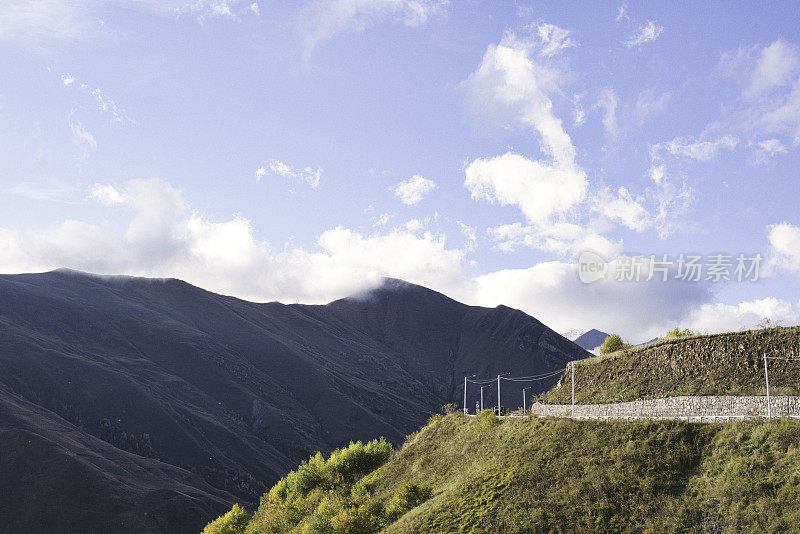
498	152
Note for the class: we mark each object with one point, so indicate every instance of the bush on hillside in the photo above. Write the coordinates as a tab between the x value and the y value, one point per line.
450	407
407	497
233	522
612	343
677	333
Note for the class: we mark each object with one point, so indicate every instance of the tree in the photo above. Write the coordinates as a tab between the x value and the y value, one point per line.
234	522
677	332
612	343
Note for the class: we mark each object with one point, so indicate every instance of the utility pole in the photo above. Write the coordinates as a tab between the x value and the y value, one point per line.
498	391
498	395
766	378
524	405
572	364
465	395
482	397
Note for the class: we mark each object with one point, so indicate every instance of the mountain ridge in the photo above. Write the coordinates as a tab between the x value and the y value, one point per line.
238	392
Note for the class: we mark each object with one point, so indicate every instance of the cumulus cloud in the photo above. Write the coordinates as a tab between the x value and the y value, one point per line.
307	175
552	292
540	190
322	20
162	236
515	80
719	317
412	191
696	150
106	194
785	241
623	208
645	34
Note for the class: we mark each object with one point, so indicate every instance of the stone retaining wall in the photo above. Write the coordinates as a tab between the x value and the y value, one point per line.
691	408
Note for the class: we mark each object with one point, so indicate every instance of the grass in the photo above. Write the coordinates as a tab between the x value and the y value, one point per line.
718	364
482	474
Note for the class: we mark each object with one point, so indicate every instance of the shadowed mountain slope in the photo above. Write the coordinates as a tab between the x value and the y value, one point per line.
239	392
591	339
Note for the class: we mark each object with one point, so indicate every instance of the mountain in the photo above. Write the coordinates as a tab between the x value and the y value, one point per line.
572	335
235	393
56	478
483	474
590	340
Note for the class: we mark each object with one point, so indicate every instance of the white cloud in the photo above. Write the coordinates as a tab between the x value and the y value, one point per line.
578	113
513	82
671	199
562	238
471	234
165	237
623	208
649	105
412	191
382	219
719	317
415	225
775	67
771	148
696	150
622	13
769	104
552	292
255	9
308	175
553	39
539	189
106	194
785	241
105	104
608	103
324	19
82	138
36	22
645	34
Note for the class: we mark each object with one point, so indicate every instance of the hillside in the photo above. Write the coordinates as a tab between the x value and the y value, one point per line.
718	364
239	392
481	474
80	481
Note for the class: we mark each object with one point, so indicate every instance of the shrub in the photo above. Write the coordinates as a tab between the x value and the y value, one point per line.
354	521
450	407
612	343
677	333
407	497
233	522
309	475
358	459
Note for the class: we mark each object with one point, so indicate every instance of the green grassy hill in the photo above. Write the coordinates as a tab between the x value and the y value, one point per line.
481	474
719	364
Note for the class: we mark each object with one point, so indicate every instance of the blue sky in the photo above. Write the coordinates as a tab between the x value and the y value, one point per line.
301	151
